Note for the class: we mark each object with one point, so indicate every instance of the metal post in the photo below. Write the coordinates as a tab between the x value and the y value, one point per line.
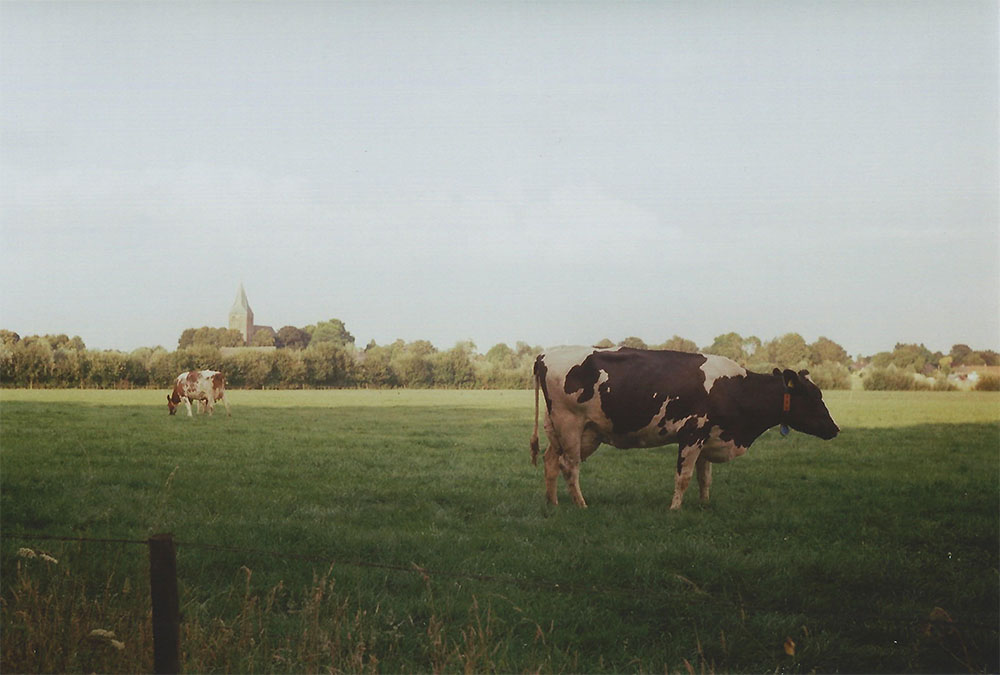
166	607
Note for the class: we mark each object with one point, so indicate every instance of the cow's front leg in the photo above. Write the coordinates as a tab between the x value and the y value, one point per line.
704	477
687	457
187	402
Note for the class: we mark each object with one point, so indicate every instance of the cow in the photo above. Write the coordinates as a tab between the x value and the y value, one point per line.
710	406
204	386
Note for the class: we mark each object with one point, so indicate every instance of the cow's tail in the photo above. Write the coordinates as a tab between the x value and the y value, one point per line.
534	435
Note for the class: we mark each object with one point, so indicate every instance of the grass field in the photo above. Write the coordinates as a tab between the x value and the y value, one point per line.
874	552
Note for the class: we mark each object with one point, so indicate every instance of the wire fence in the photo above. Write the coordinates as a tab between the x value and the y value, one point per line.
165	601
412	568
500	579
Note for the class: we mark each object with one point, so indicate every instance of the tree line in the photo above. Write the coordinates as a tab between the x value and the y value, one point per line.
325	355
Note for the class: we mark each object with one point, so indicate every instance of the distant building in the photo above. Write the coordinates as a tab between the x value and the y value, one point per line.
241	318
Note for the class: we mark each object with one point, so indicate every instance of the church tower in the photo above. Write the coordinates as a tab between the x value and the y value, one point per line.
241	316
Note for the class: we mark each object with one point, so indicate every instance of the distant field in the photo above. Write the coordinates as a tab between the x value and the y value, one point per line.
874	552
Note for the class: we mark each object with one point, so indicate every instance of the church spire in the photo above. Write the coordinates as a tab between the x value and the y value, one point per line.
241	316
240	304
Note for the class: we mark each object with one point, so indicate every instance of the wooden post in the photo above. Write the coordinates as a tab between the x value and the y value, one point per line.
166	607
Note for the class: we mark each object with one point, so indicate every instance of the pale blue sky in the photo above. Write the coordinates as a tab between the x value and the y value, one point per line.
546	172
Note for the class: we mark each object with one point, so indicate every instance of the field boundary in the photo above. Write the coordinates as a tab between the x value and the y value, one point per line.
413	568
425	572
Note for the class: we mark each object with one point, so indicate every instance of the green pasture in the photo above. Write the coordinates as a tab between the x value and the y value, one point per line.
406	531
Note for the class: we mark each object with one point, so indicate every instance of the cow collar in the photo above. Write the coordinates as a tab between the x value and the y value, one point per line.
786	407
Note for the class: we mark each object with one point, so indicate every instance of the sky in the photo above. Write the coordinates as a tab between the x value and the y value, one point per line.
546	172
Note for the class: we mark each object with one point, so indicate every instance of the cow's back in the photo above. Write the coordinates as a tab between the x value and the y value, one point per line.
634	397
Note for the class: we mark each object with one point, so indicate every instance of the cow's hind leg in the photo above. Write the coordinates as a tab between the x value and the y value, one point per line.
551	458
704	468
571	472
577	446
589	441
564	454
552	455
225	402
687	457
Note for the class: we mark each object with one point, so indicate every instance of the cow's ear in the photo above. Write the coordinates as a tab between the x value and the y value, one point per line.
777	372
791	379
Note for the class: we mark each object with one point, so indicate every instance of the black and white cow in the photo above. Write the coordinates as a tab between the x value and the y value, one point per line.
710	406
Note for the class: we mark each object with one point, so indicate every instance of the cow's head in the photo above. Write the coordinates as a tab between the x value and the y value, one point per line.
172	402
805	411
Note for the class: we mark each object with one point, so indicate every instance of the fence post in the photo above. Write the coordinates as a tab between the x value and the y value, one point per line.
166	608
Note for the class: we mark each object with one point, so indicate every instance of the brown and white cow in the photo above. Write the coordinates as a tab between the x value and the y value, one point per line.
203	386
634	398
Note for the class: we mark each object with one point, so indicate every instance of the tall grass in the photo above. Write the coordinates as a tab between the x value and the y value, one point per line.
55	622
875	552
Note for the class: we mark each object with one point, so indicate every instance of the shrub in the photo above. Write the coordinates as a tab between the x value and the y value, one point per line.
831	375
988	383
250	369
889	379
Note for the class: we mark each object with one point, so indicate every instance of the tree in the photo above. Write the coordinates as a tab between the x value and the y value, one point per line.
247	368
262	338
679	344
501	354
633	342
963	355
524	349
912	356
9	337
327	365
32	361
199	357
210	337
454	368
825	349
109	369
289	369
425	348
831	375
729	345
788	351
375	367
186	339
332	331
163	367
228	337
136	373
412	369
291	337
63	341
66	368
6	363
604	344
